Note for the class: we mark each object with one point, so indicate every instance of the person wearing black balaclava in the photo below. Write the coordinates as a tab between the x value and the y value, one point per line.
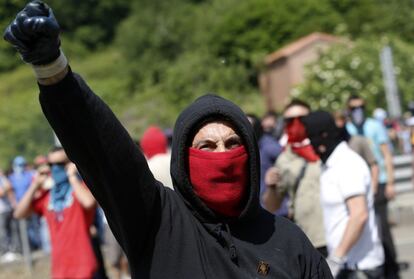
354	246
377	135
212	225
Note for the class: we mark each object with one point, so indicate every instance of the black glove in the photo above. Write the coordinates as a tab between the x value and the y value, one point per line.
35	34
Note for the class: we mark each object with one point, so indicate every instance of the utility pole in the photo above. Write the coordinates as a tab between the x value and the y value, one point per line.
390	83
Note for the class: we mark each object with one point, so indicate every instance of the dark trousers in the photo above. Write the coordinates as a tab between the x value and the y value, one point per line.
376	273
4	232
381	212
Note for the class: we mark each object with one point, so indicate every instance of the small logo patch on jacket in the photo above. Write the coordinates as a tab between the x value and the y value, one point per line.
263	268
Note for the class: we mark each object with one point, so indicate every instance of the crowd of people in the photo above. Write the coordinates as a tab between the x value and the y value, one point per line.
49	200
186	204
294	174
31	191
318	162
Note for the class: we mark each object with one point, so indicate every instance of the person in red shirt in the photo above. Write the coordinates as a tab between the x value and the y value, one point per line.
69	209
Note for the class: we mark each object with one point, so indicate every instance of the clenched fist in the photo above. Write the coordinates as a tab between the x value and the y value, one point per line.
35	34
272	177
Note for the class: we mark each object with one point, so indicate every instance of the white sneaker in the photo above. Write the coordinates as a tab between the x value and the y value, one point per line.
10	257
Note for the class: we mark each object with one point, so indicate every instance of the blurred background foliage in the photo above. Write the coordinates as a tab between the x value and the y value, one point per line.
355	69
150	58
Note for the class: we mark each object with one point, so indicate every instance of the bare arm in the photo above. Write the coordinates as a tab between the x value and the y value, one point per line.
358	215
272	198
389	189
24	207
12	198
5	188
82	194
2	192
374	177
8	191
369	157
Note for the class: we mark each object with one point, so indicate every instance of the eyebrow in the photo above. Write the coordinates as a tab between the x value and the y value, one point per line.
203	141
234	136
209	140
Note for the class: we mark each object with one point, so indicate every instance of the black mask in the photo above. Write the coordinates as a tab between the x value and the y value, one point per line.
323	133
344	135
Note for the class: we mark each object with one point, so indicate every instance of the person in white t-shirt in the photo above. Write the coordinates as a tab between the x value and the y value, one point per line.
354	246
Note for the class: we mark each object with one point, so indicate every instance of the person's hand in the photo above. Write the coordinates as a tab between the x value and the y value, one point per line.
335	264
374	188
39	179
71	170
272	177
390	191
35	34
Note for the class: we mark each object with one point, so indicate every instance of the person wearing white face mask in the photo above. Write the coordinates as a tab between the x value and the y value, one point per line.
377	135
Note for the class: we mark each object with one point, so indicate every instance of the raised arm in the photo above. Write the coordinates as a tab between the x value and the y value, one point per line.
111	164
24	207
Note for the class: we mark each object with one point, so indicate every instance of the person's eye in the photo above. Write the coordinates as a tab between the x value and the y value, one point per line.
233	143
206	147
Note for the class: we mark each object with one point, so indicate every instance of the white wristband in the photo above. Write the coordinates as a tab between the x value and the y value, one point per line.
52	69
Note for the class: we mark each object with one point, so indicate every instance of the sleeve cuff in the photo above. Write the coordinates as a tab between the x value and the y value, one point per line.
51	69
61	92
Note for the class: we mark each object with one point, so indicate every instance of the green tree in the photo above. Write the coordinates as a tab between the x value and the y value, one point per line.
86	25
254	28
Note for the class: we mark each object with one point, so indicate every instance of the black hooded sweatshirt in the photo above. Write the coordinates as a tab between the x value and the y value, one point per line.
173	234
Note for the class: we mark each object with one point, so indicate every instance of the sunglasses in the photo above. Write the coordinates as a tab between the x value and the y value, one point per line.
357	107
289	120
60	164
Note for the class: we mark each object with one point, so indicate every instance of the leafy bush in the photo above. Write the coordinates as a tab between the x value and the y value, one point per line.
355	69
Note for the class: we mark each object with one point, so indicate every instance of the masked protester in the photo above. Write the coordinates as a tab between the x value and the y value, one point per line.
211	226
360	145
376	134
296	174
354	247
68	208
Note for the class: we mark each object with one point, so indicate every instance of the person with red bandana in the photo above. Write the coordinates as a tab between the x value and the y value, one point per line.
296	173
212	225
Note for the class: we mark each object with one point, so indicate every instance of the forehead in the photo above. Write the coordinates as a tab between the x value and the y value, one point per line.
216	129
57	156
296	111
356	102
269	119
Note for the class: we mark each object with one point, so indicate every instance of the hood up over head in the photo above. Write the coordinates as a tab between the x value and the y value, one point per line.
206	109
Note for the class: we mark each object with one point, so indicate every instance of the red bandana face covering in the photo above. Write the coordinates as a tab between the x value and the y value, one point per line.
220	179
296	132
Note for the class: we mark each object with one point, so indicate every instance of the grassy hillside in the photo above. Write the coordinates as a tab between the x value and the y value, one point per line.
24	130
